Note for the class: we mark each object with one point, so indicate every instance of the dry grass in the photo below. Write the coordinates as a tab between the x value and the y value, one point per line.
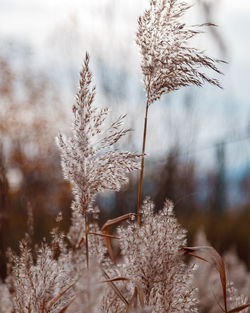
77	272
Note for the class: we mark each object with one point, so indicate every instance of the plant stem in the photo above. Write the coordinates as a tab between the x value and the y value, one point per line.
86	240
142	166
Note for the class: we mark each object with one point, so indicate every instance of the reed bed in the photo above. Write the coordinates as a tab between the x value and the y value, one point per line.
78	271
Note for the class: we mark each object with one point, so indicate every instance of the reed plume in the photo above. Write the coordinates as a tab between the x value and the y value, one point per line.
168	62
151	275
89	160
154	260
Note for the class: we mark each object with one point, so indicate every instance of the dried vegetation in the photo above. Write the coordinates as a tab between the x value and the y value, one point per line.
78	272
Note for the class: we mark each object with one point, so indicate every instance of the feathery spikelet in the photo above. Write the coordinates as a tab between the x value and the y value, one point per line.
235	298
41	286
152	259
168	62
89	160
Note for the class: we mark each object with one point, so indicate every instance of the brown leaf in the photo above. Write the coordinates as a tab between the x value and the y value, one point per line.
43	308
80	242
63	310
117	220
53	301
133	303
116	290
213	257
114	279
104	235
239	308
138	292
105	229
108	244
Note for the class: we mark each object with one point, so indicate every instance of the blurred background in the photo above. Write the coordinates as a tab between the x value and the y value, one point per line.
198	141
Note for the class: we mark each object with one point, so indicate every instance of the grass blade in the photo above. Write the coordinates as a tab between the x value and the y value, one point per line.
53	301
214	258
104	235
240	308
116	290
105	229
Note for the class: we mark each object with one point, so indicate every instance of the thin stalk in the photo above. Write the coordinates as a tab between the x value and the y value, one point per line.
148	80
142	166
86	240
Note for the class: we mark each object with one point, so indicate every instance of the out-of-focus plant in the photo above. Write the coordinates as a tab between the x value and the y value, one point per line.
210	292
28	158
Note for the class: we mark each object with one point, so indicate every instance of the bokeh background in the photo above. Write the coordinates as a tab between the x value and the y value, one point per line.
198	138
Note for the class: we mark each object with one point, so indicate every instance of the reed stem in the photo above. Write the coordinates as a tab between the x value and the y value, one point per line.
142	166
86	240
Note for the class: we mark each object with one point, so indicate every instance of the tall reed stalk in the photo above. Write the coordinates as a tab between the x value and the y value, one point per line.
143	157
168	62
86	239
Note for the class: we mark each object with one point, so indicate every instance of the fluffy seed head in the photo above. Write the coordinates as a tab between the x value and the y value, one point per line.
168	61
